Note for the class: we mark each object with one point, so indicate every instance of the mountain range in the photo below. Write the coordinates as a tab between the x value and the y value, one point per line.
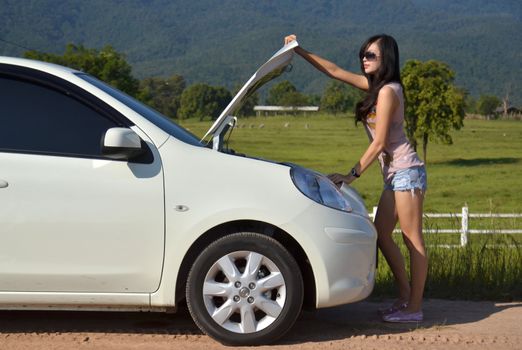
223	42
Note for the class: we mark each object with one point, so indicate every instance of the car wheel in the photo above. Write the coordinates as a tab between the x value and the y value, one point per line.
245	289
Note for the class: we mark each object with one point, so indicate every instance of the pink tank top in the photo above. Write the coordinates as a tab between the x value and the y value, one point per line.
398	153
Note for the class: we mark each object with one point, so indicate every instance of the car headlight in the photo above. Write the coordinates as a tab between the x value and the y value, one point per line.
319	188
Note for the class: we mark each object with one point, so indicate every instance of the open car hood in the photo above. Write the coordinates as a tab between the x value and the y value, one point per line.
272	68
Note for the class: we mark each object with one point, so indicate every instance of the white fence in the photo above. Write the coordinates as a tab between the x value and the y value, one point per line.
286	109
464	227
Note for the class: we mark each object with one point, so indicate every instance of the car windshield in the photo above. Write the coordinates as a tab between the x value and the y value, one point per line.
153	116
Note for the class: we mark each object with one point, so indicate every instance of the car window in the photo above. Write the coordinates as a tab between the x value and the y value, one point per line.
39	119
150	114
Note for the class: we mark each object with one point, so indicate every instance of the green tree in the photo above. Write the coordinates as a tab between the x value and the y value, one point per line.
163	94
292	99
338	98
314	100
285	93
470	104
278	91
434	105
106	64
487	104
202	100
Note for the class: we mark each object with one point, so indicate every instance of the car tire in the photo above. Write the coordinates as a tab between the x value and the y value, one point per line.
245	289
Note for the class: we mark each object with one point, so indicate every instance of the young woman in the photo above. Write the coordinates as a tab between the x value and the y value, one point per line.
382	114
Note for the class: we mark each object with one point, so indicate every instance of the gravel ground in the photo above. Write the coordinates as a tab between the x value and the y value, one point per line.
447	325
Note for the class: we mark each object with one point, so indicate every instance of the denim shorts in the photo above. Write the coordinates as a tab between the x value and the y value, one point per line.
408	179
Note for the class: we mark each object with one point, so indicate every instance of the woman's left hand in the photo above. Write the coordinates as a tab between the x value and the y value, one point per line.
338	179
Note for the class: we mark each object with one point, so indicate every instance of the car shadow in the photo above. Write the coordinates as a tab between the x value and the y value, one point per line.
179	323
312	326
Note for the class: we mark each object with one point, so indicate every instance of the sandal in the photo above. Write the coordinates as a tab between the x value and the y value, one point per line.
392	309
403	317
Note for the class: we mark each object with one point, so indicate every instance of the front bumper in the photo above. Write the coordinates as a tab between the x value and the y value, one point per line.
341	248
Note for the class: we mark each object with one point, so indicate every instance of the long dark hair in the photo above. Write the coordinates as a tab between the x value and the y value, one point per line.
389	71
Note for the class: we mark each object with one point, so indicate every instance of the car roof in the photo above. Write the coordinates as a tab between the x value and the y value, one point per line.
51	68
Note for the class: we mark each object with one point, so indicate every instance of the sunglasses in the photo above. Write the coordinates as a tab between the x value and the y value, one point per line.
370	56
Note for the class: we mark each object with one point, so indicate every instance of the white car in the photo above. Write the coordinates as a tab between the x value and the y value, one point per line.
107	205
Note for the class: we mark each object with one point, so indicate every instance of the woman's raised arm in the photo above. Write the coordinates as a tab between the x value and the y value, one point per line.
329	68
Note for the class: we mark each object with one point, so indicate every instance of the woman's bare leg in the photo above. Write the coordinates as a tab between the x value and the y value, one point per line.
385	221
409	211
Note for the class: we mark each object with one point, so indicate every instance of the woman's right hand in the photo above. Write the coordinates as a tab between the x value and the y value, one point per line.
290	38
338	179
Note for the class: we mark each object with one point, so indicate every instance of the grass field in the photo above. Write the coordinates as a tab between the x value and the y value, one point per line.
482	169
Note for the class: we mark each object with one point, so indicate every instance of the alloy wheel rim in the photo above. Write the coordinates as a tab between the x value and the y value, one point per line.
244	292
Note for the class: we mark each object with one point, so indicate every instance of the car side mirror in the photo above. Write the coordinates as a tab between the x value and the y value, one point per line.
121	144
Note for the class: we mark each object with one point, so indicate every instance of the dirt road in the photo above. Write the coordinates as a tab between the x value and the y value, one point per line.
448	325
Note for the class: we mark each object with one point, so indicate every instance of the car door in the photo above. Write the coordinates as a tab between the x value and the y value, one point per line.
72	220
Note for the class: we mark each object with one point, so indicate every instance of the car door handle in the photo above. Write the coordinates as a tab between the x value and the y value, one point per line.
3	184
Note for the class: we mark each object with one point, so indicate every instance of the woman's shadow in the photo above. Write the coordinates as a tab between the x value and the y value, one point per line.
362	319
